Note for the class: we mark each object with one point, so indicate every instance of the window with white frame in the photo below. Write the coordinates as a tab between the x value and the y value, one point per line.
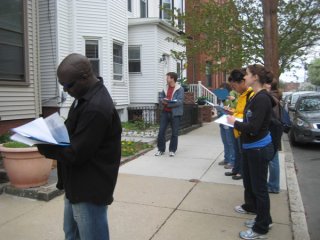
92	53
134	59
166	8
117	61
143	8
12	44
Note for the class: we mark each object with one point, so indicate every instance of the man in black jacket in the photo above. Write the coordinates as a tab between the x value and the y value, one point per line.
88	168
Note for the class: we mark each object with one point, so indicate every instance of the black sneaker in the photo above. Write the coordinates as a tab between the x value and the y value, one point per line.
229	174
237	177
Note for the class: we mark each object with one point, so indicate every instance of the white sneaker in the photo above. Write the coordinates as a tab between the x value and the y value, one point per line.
249	235
239	209
171	154
159	153
251	222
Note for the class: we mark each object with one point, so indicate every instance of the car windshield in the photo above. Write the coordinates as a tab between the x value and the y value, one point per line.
294	98
309	104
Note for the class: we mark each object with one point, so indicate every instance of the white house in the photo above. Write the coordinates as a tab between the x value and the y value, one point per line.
19	68
125	41
149	51
95	28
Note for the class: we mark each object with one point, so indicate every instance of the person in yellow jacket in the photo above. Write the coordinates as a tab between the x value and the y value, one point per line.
237	83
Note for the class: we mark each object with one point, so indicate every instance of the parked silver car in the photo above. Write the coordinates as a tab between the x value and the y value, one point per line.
291	99
305	116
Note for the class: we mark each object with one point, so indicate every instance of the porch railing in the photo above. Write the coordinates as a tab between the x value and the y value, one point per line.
200	90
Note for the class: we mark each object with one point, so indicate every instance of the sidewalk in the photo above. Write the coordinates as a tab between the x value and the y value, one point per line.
186	197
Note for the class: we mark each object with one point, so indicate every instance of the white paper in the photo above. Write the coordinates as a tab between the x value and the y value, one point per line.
223	120
57	128
19	138
50	130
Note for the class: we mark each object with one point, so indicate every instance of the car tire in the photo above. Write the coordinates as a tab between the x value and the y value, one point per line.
292	138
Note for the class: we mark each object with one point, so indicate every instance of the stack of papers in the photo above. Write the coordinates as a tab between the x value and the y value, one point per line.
223	120
50	130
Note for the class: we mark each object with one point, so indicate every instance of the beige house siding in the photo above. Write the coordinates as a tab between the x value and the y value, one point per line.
22	102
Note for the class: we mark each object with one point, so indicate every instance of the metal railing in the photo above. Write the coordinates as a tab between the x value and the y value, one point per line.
200	90
147	114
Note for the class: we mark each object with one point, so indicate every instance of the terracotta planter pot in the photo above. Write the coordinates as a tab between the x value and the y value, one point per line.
25	167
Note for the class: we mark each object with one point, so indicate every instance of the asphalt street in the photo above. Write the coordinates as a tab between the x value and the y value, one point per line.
307	160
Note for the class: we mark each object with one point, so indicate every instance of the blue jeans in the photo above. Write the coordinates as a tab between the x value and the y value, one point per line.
227	140
85	221
237	167
165	119
256	196
274	174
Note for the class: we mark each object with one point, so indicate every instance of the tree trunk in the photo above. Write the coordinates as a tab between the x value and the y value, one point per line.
270	22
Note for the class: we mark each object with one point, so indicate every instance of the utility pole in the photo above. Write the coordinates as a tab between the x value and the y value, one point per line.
270	24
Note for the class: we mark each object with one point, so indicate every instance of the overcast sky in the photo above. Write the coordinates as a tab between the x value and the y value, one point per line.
298	74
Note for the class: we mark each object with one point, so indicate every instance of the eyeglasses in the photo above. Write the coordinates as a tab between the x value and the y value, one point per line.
68	85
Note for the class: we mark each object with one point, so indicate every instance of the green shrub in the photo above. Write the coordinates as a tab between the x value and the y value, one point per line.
4	138
130	148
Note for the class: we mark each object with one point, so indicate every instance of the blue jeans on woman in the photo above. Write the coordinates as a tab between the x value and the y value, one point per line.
274	174
85	221
237	168
165	119
227	140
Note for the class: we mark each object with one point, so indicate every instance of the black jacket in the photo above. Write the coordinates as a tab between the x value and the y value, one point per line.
256	119
88	169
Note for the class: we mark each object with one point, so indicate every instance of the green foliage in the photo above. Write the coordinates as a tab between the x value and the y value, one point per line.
4	138
129	148
314	72
14	144
211	30
138	125
298	27
231	34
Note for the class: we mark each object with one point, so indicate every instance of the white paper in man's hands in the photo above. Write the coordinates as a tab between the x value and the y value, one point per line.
223	120
49	130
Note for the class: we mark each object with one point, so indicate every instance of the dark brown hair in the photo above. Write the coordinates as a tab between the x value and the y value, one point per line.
265	76
173	75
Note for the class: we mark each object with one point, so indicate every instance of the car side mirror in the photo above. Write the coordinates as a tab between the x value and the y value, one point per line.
291	108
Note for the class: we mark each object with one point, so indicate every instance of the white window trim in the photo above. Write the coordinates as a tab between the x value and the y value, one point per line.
135	73
123	72
92	38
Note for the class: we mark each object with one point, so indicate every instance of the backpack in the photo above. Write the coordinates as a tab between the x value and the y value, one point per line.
279	124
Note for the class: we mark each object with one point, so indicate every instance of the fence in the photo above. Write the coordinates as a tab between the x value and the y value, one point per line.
151	115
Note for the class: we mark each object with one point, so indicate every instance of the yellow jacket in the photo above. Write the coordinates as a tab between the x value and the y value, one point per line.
242	101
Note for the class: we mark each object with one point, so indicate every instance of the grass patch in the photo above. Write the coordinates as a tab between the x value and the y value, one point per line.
130	148
13	144
138	125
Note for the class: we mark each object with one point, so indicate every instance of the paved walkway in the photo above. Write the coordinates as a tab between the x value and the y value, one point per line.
160	198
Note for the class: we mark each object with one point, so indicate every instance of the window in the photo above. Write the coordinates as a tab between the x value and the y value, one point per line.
117	61
179	7
92	52
209	73
179	72
134	59
12	50
129	5
166	9
143	8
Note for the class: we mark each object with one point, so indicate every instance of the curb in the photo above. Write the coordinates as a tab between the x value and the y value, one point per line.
297	212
